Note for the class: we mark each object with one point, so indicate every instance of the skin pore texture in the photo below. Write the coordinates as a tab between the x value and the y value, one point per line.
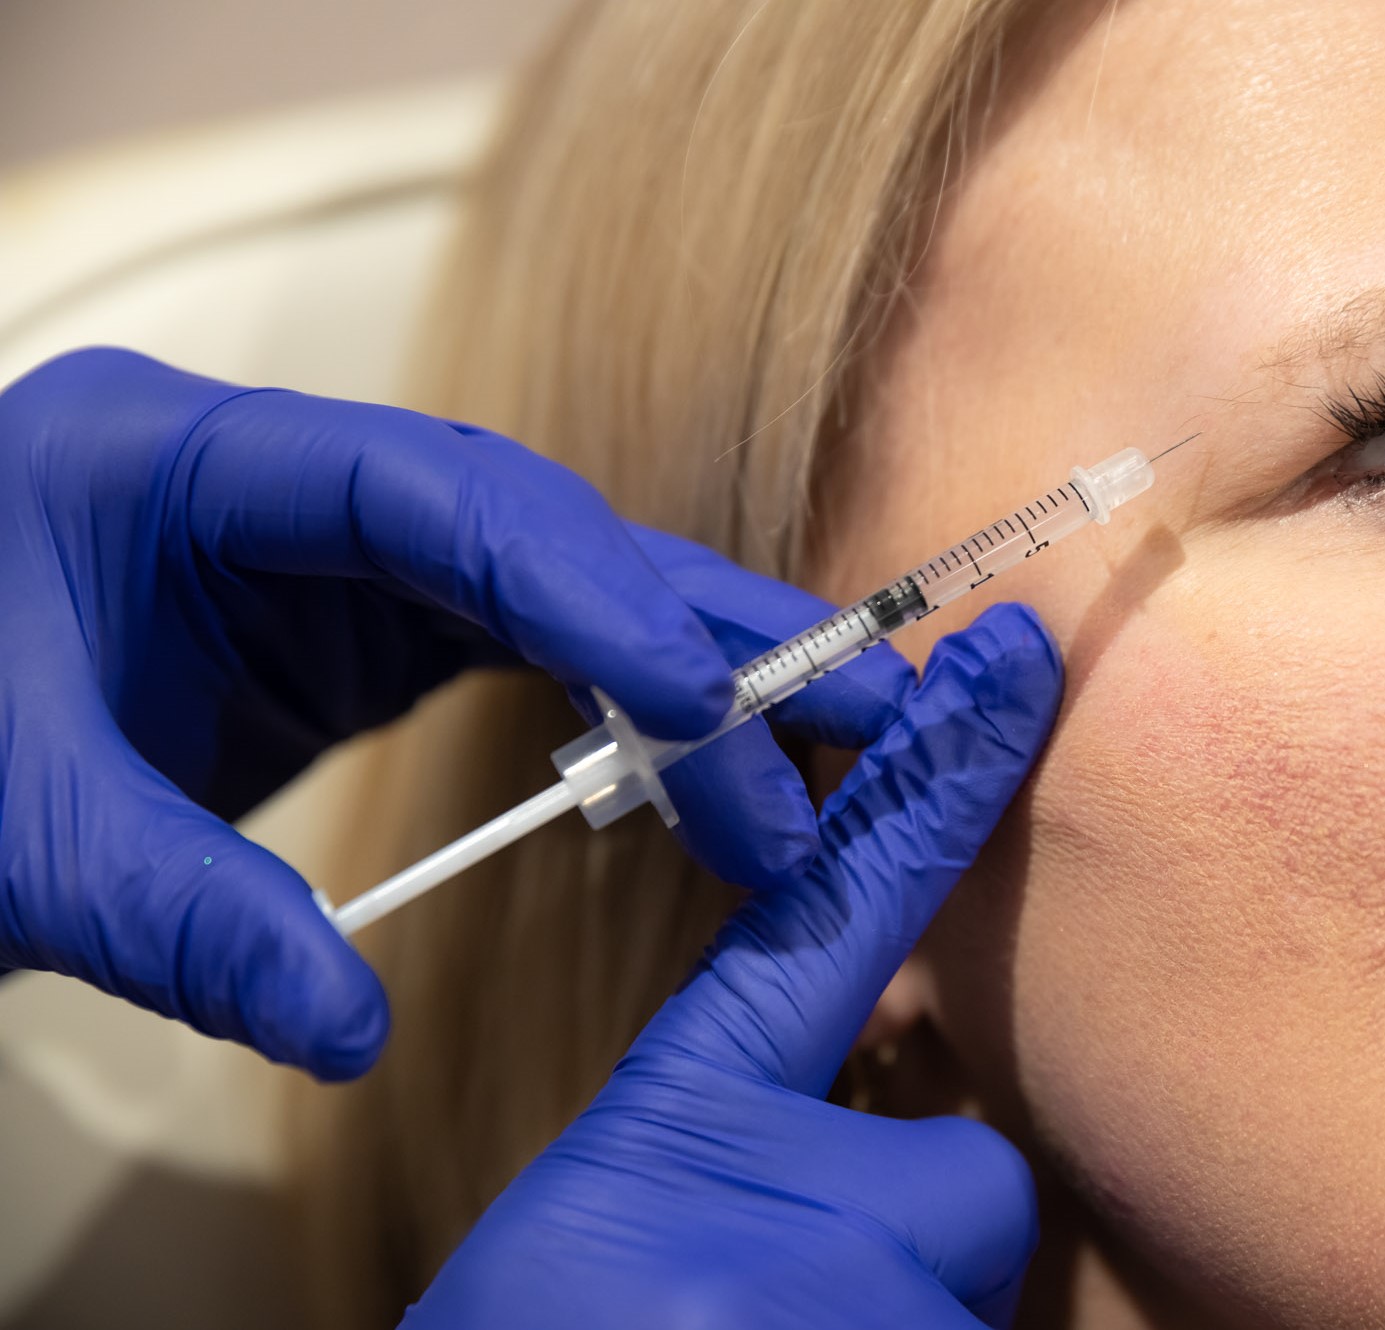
1166	977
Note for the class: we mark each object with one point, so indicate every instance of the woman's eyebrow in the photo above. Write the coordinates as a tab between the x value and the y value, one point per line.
1345	334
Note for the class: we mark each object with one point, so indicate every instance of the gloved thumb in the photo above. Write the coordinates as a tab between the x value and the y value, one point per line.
143	893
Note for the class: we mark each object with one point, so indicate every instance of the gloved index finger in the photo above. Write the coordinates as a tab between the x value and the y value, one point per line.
475	522
795	973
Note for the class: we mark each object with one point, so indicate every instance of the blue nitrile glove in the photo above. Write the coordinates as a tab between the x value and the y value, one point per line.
203	586
708	1184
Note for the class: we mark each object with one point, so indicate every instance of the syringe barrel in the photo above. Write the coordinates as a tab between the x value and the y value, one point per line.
964	567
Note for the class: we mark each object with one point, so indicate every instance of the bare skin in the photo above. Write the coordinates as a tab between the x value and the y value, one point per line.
1167	976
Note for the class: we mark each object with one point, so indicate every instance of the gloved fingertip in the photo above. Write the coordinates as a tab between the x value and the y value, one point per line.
349	1041
1006	661
745	814
661	718
669	674
1011	626
775	864
685	696
782	861
324	1010
713	695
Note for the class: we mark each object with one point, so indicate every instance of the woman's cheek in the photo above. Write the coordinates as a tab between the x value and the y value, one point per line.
1225	749
1199	941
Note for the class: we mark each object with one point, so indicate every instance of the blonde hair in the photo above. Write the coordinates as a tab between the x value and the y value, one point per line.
695	224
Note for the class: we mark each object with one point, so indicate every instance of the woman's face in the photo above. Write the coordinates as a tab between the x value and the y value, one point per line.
1171	959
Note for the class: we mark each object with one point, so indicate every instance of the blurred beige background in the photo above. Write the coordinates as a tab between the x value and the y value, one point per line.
142	1166
76	72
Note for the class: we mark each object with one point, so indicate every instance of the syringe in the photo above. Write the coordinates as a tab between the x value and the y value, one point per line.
613	768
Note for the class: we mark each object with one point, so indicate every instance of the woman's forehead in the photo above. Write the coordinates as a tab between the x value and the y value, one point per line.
1191	196
1235	115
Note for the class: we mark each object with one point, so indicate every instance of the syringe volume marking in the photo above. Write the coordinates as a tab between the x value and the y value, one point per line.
753	701
980	576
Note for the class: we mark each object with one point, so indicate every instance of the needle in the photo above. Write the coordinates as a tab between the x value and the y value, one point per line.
1177	446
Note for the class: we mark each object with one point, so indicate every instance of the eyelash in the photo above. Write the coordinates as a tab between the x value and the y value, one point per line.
1361	417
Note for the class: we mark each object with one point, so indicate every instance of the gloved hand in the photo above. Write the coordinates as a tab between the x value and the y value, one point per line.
708	1184
203	586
